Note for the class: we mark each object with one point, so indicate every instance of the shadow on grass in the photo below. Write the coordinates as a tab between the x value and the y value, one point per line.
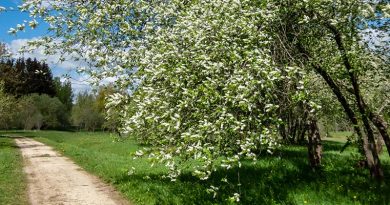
7	144
15	134
4	144
333	146
274	180
11	136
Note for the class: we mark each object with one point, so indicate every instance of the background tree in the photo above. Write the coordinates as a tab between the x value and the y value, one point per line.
32	83
64	92
22	77
28	115
7	109
112	117
41	111
38	78
85	112
7	75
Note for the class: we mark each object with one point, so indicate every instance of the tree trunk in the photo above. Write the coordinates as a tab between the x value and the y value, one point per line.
373	161
373	164
314	145
294	127
369	143
382	127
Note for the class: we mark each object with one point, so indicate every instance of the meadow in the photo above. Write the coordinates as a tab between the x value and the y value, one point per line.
281	178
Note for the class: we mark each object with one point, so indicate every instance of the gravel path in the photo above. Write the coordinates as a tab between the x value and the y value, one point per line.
54	179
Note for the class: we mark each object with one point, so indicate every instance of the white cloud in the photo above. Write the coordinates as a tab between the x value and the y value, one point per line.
53	60
60	69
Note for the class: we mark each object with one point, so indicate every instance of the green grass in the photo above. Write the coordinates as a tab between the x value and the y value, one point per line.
339	136
12	178
281	178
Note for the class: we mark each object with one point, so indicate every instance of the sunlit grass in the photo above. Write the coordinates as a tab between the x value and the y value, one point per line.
338	136
281	178
12	178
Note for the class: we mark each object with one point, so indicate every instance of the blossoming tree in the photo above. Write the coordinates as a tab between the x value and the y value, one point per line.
201	77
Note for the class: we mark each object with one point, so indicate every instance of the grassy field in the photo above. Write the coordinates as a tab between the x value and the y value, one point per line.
281	178
12	179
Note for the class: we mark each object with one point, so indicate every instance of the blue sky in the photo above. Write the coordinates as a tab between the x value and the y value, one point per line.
9	19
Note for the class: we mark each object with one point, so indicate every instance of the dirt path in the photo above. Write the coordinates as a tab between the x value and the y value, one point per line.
54	179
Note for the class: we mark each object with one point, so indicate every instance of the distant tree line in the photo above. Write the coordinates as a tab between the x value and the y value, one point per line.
34	98
30	98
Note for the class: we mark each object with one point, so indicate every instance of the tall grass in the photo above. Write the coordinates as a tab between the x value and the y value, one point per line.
281	178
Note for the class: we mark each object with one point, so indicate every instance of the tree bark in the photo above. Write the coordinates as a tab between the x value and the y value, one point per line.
382	126
336	90
369	143
373	165
314	145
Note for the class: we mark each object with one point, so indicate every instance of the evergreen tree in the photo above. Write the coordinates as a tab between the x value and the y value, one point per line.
39	78
19	78
7	76
22	77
